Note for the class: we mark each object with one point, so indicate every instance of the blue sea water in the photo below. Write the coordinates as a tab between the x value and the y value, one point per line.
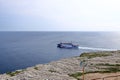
19	50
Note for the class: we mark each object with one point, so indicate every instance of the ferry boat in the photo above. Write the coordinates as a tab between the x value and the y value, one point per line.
67	45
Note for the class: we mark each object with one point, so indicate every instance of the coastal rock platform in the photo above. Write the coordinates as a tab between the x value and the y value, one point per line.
64	68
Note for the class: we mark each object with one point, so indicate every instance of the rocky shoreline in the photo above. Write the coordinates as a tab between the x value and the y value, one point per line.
64	68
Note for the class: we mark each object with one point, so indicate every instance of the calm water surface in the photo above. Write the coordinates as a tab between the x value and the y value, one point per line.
20	50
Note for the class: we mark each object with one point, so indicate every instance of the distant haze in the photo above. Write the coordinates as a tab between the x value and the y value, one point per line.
59	15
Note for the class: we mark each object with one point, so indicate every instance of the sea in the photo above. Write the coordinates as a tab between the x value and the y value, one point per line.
22	49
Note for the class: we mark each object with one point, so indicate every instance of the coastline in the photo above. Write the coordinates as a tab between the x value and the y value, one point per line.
64	69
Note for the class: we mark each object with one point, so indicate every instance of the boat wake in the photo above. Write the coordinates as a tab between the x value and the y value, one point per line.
98	49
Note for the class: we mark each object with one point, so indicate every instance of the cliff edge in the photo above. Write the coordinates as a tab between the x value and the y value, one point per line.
70	69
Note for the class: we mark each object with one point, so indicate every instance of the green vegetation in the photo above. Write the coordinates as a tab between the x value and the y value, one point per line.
36	68
107	70
76	75
93	55
112	69
51	71
108	64
14	73
102	67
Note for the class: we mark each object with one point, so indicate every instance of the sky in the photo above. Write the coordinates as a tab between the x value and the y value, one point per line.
59	15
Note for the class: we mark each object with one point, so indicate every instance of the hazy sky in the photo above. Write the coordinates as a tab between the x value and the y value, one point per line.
59	15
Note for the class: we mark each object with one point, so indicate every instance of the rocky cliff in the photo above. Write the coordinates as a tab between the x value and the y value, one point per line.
65	69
